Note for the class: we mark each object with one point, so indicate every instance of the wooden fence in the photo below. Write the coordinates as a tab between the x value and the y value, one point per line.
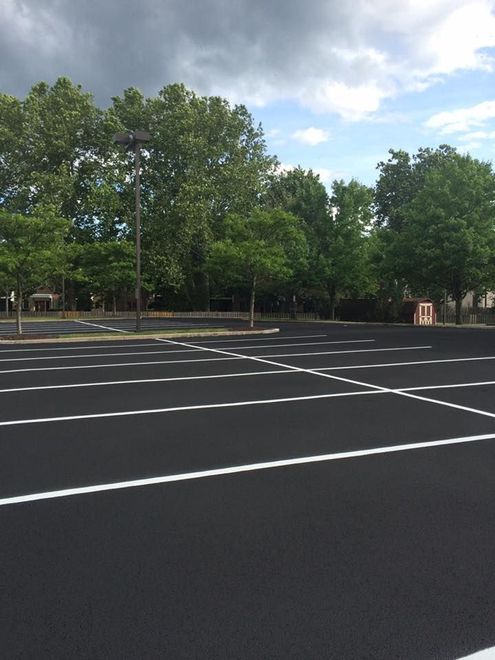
99	314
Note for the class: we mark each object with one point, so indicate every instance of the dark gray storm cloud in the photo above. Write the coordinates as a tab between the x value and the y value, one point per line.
328	54
108	45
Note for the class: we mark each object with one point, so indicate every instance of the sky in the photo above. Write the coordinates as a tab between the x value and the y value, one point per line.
334	83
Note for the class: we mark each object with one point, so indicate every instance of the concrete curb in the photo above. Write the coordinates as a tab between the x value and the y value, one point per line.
132	336
438	326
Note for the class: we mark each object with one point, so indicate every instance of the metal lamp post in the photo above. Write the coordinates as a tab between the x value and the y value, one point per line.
132	141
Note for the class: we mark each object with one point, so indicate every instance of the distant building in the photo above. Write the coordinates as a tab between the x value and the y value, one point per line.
43	300
486	301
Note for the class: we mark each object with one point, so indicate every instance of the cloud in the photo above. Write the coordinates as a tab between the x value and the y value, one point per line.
352	102
311	136
326	176
462	119
330	56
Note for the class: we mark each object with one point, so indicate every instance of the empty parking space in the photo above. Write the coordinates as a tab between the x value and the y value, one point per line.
117	325
323	492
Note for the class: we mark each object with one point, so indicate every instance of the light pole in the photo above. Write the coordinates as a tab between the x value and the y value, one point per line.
132	141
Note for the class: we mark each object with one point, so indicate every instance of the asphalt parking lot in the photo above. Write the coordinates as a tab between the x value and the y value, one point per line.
326	492
61	327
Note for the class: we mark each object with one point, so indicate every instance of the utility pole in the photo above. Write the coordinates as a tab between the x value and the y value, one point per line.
133	141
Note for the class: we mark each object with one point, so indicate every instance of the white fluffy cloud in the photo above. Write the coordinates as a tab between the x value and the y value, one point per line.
330	56
462	119
311	136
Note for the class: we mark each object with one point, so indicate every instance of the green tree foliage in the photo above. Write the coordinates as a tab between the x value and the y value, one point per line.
336	230
344	258
108	268
206	159
400	178
301	193
29	247
448	238
265	246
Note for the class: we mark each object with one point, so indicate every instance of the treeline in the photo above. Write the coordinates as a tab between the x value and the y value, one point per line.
220	221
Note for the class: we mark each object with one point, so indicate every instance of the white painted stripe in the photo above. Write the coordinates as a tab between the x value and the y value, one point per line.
360	350
447	387
486	654
447	404
97	325
239	469
259	402
349	380
181	350
117	365
300	343
144	380
140	381
201	406
89	347
201	349
232	341
404	364
86	347
99	355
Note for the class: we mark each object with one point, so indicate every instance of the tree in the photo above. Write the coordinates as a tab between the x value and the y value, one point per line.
262	247
339	260
206	159
401	178
49	148
345	260
28	248
448	238
301	193
6	286
109	268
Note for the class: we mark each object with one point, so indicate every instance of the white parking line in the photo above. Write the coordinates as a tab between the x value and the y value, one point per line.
258	402
361	350
239	469
87	347
195	349
227	341
140	381
344	380
404	364
116	365
105	327
163	351
171	409
145	380
447	387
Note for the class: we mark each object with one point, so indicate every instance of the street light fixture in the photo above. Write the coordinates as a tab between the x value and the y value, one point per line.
132	141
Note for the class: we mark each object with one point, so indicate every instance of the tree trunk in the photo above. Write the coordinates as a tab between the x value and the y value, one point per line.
251	303
19	307
201	292
63	296
458	307
7	292
332	293
114	304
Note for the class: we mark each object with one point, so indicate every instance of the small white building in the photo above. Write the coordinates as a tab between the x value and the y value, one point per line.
486	301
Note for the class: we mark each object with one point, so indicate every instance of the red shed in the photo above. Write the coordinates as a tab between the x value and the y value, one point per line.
420	311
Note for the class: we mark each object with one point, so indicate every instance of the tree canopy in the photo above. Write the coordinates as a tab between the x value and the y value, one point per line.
265	246
212	194
29	246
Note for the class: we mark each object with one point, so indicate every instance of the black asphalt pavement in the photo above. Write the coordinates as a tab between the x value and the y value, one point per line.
245	545
60	327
